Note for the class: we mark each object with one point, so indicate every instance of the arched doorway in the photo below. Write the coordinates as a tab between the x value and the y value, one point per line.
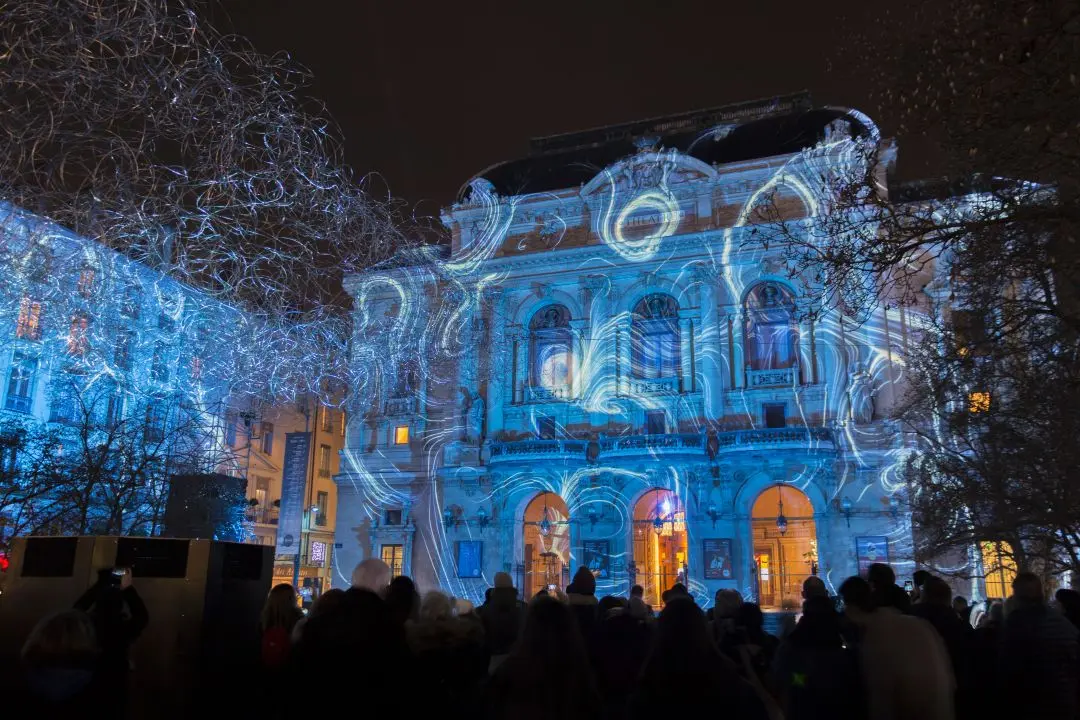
546	533
785	546
660	547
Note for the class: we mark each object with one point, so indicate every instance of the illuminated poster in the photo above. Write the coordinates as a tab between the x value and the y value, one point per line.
870	550
598	558
717	559
293	483
469	557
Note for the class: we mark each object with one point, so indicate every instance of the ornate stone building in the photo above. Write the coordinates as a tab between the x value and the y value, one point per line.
612	368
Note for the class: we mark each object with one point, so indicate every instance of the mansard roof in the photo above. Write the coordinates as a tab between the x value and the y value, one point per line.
732	133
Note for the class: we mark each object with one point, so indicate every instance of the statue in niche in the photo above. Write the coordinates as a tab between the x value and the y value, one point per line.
860	396
475	418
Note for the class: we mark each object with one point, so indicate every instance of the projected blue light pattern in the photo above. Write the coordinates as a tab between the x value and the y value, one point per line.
687	363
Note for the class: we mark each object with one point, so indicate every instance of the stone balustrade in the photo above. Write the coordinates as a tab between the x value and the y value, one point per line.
401	406
521	450
668	444
783	377
775	438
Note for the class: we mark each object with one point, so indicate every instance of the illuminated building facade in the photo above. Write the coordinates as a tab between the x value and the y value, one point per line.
611	369
98	346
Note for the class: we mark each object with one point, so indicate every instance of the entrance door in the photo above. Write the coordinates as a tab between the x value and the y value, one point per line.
546	535
785	546
660	543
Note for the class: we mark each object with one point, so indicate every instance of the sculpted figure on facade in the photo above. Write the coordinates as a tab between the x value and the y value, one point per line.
860	396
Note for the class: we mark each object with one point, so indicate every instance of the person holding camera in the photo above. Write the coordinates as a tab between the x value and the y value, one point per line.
119	617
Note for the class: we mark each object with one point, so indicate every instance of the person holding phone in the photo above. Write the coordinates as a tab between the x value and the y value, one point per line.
119	617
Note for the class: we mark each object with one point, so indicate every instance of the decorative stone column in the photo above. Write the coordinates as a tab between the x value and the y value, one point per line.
600	344
686	355
577	349
708	347
497	364
623	370
521	366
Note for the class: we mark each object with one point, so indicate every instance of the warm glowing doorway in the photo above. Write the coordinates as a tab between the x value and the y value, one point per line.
659	543
547	543
785	546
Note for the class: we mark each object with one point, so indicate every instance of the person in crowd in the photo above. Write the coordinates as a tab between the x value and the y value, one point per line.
547	675
620	644
325	603
609	604
815	673
581	595
450	657
59	671
726	605
918	579
636	604
502	616
403	600
119	616
686	665
678	590
986	641
280	616
962	609
371	574
1068	602
1040	656
905	667
935	606
886	592
749	646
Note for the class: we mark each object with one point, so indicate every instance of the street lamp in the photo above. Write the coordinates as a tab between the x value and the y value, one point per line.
845	507
781	521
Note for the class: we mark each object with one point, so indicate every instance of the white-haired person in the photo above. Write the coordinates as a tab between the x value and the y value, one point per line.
372	574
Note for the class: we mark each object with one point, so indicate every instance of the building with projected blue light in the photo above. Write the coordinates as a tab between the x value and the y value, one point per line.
612	368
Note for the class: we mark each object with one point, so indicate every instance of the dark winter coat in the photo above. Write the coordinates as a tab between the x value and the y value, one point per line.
502	615
1039	663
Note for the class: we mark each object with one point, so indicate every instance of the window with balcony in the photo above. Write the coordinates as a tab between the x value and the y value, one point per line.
771	334
394	557
78	335
324	461
85	284
322	502
654	338
20	386
268	438
551	357
29	323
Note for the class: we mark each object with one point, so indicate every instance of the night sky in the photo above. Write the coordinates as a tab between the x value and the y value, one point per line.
427	94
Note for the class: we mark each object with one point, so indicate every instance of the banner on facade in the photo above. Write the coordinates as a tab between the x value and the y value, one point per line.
470	555
293	484
598	558
717	559
870	550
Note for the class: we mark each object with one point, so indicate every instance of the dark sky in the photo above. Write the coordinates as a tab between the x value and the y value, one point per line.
429	93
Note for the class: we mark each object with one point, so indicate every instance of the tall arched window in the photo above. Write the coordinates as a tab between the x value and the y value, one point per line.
772	336
551	349
655	337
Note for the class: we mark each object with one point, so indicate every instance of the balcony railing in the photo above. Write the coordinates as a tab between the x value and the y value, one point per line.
673	444
783	377
652	386
400	406
262	516
538	450
541	393
777	438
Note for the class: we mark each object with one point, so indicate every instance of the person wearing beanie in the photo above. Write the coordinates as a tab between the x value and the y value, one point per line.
581	595
503	616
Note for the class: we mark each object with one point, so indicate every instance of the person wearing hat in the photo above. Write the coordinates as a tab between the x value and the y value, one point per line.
581	595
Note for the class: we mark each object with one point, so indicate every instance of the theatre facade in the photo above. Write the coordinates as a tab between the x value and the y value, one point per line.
610	367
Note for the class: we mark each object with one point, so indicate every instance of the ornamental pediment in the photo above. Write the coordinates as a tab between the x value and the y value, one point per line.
648	171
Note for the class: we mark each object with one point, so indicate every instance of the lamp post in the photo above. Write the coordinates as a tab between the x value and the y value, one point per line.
781	520
846	506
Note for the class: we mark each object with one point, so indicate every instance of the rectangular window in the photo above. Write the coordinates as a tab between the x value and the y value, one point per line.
342	423
394	556
85	285
9	454
159	365
114	408
63	406
262	491
29	324
155	422
774	415
322	500
77	342
545	427
230	429
401	435
20	387
655	422
658	353
999	567
393	517
324	461
132	301
122	353
979	402
268	438
318	553
327	420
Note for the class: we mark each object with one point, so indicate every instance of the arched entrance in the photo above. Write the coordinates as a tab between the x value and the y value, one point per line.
546	532
785	546
660	548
